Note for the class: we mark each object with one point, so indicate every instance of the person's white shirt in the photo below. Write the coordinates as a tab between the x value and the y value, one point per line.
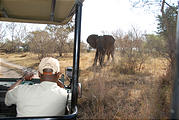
44	99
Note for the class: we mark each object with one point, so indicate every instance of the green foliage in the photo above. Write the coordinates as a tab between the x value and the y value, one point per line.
155	45
40	42
167	22
59	35
18	39
167	29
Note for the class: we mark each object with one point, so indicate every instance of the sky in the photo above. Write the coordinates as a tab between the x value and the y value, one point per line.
111	15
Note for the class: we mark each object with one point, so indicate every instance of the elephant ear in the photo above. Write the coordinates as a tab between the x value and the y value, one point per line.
91	40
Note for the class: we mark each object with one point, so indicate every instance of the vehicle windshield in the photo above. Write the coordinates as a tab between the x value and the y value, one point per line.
44	50
24	45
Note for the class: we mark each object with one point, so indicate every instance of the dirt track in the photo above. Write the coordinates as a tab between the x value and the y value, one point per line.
7	72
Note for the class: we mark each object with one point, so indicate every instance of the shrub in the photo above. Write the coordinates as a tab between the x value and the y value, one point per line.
98	102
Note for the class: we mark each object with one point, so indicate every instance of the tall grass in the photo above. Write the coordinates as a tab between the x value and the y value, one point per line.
108	94
117	92
98	101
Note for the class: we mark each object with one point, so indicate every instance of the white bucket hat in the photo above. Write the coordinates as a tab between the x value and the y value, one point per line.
49	62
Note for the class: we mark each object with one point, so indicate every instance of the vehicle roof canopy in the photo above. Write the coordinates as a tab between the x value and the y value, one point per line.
37	11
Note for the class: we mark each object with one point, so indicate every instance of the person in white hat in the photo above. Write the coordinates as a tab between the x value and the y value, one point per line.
45	99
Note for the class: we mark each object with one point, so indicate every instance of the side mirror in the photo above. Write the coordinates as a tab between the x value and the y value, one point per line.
68	72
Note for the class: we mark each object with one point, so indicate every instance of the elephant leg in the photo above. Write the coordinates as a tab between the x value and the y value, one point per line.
100	61
112	55
96	58
108	54
101	58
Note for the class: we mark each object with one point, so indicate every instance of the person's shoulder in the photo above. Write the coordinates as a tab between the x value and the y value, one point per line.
26	89
26	86
18	88
63	91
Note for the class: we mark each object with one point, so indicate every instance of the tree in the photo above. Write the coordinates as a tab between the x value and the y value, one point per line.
148	4
40	43
20	37
2	35
14	40
132	50
118	35
59	35
167	29
156	45
166	26
12	32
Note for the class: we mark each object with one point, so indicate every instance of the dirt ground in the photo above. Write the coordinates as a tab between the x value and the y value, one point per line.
12	70
108	93
7	72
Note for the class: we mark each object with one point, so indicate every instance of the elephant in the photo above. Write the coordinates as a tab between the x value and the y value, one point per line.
104	45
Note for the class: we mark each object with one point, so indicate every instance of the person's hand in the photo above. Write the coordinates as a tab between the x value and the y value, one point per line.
60	84
28	75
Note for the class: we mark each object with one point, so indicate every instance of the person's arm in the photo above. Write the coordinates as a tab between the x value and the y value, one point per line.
25	77
11	95
15	84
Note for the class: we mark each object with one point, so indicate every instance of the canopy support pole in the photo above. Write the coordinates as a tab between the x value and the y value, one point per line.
52	14
76	54
175	99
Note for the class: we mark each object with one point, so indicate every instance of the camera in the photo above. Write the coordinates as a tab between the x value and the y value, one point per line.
68	72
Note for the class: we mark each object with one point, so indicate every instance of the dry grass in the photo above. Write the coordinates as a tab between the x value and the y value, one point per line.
11	68
31	60
111	95
107	94
122	97
23	59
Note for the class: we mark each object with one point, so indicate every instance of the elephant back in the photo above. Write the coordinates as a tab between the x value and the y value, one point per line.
108	41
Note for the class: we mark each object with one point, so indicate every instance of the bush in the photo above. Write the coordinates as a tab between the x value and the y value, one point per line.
97	101
130	64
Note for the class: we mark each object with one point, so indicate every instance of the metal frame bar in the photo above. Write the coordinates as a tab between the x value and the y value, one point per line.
76	53
4	13
52	14
175	100
64	117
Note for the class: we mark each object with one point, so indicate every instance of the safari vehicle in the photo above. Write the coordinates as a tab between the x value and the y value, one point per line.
56	12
